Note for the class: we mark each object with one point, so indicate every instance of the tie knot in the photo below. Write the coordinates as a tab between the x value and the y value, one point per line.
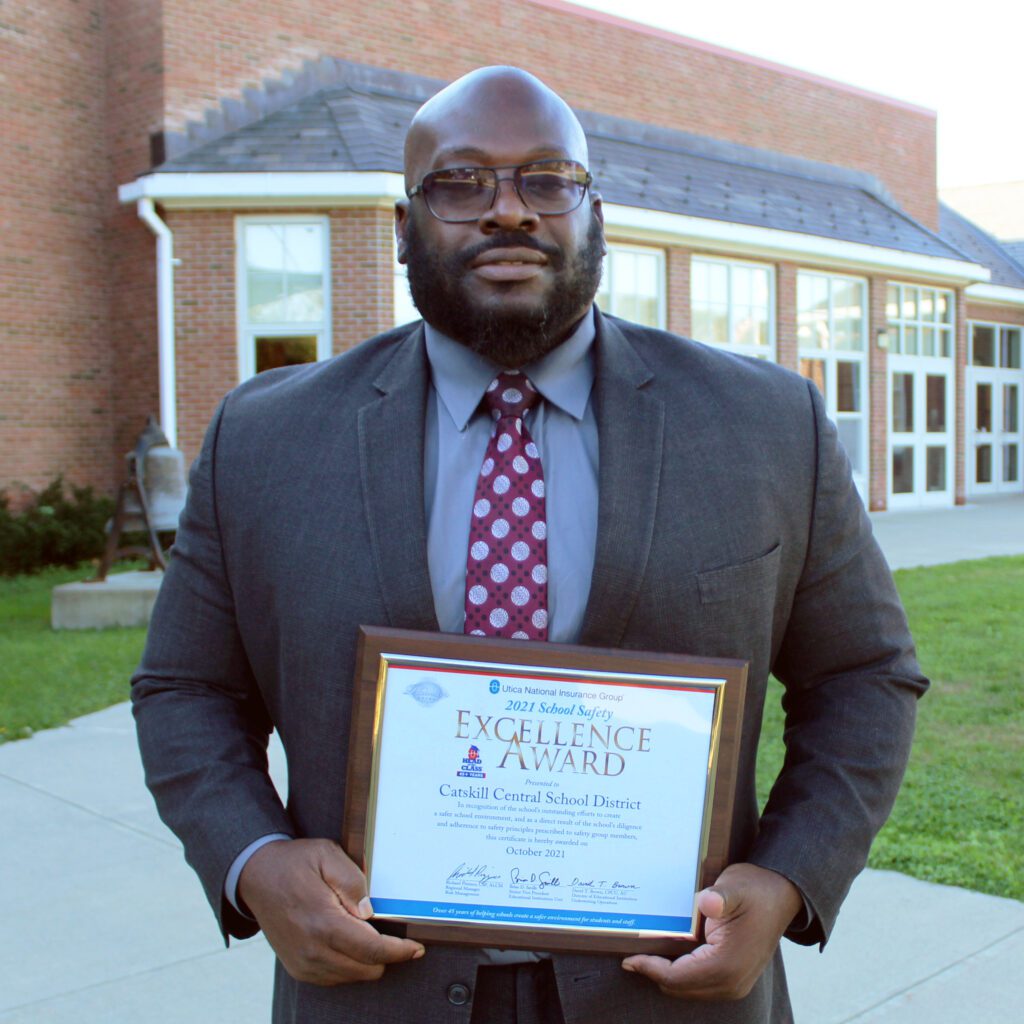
510	394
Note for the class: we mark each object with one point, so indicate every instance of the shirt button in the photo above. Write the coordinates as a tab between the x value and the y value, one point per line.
458	994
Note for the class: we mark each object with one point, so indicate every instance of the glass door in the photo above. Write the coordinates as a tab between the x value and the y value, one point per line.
920	432
995	410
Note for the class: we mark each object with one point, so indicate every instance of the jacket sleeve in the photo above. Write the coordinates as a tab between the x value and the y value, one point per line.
202	725
851	680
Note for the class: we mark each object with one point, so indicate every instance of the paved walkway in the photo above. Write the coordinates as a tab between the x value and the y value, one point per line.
101	921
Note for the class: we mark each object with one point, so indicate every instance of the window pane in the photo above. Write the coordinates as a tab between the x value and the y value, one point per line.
945	342
935	389
983	345
1011	463
910	303
927	304
1011	408
284	270
983	464
902	403
812	311
814	369
851	433
1009	354
944	307
935	469
928	342
274	352
903	470
892	302
910	341
983	408
847	386
742	286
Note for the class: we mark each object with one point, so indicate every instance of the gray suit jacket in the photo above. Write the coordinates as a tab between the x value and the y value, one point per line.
728	526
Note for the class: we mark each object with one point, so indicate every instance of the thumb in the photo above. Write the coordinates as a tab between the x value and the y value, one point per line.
342	874
717	903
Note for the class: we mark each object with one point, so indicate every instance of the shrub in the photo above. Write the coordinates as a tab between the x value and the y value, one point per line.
53	530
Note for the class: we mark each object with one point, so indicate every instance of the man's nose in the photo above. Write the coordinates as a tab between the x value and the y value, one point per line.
508	210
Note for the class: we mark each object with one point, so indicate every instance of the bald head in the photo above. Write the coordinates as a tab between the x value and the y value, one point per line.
469	121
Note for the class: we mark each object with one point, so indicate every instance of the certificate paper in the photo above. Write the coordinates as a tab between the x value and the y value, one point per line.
540	799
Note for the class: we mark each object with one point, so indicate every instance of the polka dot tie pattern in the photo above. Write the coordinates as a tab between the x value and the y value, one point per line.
507	567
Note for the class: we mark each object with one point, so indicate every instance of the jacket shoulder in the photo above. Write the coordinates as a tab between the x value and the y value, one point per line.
350	375
676	361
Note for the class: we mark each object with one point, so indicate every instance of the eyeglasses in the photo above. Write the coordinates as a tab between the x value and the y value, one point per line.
457	195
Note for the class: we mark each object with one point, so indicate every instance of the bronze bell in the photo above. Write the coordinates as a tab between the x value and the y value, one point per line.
149	501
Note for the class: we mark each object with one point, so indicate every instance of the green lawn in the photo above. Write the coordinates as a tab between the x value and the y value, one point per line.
959	818
48	677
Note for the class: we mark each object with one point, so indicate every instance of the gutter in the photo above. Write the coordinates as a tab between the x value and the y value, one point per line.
165	263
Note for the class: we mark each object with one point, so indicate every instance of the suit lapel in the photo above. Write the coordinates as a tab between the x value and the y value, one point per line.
630	424
391	465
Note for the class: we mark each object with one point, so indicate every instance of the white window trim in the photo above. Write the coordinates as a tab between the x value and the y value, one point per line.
835	355
771	349
244	331
646	250
939	325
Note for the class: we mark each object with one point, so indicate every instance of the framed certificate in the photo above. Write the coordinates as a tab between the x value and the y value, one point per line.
538	795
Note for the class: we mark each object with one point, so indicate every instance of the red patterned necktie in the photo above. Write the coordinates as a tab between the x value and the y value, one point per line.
507	567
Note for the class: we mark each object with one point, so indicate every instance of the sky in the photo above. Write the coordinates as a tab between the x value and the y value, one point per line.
963	60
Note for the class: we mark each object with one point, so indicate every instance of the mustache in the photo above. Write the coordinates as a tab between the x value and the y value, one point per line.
511	240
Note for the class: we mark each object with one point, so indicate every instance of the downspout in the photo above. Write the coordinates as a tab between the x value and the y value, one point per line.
165	262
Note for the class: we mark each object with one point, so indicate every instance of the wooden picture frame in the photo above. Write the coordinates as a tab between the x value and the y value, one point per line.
589	673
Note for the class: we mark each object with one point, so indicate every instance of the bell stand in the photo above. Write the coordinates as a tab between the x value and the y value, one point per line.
151	437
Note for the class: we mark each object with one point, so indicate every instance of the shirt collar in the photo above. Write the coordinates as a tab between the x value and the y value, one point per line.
565	376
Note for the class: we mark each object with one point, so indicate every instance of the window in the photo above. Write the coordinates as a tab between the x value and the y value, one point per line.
284	292
995	345
995	412
832	335
731	305
404	308
920	320
633	284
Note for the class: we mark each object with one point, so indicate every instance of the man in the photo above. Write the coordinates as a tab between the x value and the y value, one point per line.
695	502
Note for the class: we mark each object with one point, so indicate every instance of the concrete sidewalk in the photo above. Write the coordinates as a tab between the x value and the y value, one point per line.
101	921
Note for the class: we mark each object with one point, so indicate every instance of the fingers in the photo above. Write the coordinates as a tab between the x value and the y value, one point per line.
702	974
746	912
310	900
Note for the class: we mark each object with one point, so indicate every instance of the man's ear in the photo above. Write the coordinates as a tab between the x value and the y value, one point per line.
401	220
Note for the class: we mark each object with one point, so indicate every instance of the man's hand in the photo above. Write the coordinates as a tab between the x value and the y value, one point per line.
746	911
310	900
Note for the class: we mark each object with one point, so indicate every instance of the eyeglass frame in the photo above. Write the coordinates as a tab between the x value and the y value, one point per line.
515	168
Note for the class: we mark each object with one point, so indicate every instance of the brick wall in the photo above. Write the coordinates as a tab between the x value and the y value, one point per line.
215	48
55	385
135	95
677	274
786	345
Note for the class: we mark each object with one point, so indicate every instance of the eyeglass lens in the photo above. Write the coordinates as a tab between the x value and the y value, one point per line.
465	193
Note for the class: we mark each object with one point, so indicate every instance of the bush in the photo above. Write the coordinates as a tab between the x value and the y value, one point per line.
54	530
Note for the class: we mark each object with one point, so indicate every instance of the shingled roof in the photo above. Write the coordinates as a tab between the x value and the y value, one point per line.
982	248
357	122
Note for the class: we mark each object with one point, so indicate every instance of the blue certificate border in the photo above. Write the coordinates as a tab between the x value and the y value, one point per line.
530	917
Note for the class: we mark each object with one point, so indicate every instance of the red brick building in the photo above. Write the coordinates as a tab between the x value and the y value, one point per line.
750	206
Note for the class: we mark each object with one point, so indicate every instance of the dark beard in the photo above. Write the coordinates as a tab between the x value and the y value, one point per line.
510	338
